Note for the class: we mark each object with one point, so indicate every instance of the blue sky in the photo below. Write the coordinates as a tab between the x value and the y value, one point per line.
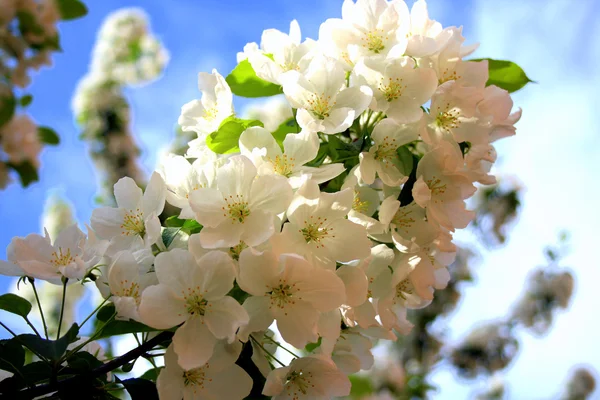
556	153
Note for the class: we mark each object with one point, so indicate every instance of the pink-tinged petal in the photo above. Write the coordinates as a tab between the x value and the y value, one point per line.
127	194
297	323
260	318
223	317
160	308
70	238
347	241
329	324
259	272
270	193
178	270
40	270
367	167
170	383
209	206
258	227
194	343
355	282
218	273
321	288
220	386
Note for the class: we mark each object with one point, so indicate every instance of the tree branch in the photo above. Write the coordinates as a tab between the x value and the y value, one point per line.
97	372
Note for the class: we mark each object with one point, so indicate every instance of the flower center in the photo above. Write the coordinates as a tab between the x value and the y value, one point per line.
357	204
282	295
404	288
130	289
374	40
196	377
284	165
385	152
448	75
393	90
210	114
60	259
196	304
237	209
320	105
235	251
298	381
314	232
448	119
133	223
436	186
402	220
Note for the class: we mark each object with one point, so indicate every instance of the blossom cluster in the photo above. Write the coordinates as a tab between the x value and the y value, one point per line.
28	37
126	53
329	231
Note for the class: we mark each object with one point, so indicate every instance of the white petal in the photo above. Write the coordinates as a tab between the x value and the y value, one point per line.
223	317
194	343
260	318
258	271
208	205
127	194
219	272
160	309
271	193
154	196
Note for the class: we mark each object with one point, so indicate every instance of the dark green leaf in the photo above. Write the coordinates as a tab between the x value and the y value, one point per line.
12	355
114	328
361	386
82	361
189	226
7	108
71	9
27	172
28	24
505	74
15	304
226	139
151	374
168	235
129	366
50	349
26	100
244	82
140	389
289	126
406	160
48	136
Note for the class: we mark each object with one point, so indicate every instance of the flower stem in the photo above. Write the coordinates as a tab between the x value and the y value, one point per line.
37	299
31	325
266	351
95	311
62	306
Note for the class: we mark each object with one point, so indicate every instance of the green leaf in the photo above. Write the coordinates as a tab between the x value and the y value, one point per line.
244	82
27	172
50	349
189	226
505	74
151	374
82	361
12	355
15	304
114	328
168	235
312	346
289	126
71	9
140	389
406	160
361	386
25	100
48	136
226	139
7	108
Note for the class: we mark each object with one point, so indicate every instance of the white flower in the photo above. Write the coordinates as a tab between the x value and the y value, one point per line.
368	28
351	352
498	104
291	291
452	115
448	61
308	378
182	178
243	207
258	145
320	94
382	158
127	280
399	88
319	230
442	186
135	220
423	32
193	293
279	53
365	202
272	111
205	115
219	378
70	256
